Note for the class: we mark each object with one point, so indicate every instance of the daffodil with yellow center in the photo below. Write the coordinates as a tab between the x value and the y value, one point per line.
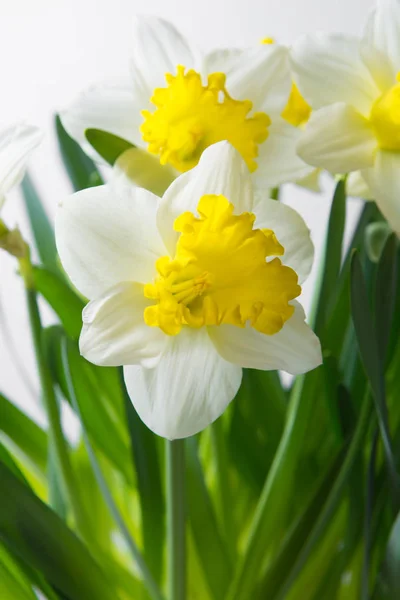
179	102
220	274
188	289
191	116
354	85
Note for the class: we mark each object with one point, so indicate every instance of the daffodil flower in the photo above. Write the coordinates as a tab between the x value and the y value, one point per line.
16	145
353	87
188	289
178	103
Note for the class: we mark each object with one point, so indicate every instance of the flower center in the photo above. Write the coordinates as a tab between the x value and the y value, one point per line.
385	118
297	111
190	116
220	274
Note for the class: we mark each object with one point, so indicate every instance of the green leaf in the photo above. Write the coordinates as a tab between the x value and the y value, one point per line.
62	299
258	418
376	235
82	171
274	502
330	266
324	518
108	498
41	228
373	365
26	434
152	504
42	540
108	145
385	294
207	538
106	432
8	460
370	492
276	573
11	588
338	311
391	566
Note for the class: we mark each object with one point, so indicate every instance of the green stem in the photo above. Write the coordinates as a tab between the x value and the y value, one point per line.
52	410
176	520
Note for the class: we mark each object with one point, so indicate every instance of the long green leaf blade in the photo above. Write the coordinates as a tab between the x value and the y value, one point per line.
40	537
152	504
333	255
26	434
62	299
108	145
385	294
208	540
373	365
82	171
42	230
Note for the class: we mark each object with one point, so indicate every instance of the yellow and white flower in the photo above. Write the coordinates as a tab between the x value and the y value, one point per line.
16	145
188	289
353	87
178	103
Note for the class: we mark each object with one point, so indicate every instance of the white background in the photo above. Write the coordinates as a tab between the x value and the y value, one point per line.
51	49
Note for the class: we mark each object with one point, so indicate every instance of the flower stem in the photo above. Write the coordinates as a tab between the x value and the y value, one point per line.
176	520
50	402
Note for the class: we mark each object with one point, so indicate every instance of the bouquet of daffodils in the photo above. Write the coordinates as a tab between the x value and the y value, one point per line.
198	472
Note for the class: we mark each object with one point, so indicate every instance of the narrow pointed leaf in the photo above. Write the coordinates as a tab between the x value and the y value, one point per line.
207	537
26	434
40	537
62	299
41	227
108	145
82	171
385	294
373	364
330	266
144	448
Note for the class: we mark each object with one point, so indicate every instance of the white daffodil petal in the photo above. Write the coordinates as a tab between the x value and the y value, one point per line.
291	231
114	332
189	388
311	182
221	61
144	170
357	187
105	107
329	69
262	75
221	171
278	161
379	65
383	31
158	48
294	349
384	182
16	145
338	139
104	238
